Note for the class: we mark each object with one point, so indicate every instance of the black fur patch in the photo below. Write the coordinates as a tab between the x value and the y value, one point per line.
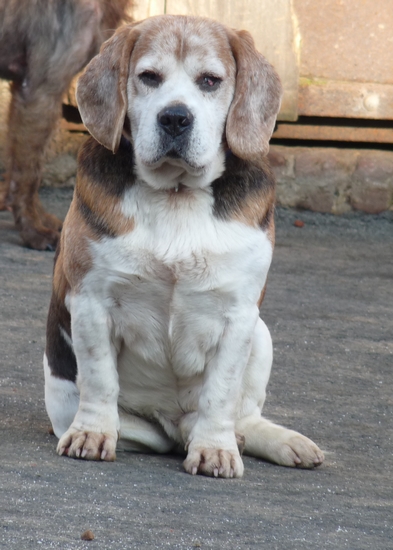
114	172
241	181
60	355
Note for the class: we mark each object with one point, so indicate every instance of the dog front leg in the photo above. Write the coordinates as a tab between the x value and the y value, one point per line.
94	432
212	445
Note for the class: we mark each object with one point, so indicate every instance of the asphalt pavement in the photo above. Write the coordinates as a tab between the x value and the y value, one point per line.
329	306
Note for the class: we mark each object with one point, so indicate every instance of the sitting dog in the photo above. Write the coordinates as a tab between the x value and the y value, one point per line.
43	45
154	336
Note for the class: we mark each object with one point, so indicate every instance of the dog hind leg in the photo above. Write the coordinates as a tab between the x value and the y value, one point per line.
140	435
264	439
3	194
277	444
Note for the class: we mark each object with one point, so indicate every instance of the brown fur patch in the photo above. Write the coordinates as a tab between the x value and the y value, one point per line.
74	259
257	210
257	99
182	36
262	296
101	211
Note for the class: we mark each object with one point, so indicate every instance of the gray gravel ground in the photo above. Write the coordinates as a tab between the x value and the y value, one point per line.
329	307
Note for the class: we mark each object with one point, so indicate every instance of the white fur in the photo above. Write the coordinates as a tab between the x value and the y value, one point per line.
61	400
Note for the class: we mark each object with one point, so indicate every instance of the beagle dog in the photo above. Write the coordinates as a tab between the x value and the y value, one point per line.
154	340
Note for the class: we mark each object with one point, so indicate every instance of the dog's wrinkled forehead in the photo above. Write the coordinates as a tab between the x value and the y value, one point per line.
193	42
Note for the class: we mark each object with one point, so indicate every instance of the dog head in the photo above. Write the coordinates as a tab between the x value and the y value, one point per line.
182	89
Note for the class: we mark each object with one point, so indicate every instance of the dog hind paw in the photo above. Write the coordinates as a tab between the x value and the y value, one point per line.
38	228
39	238
300	452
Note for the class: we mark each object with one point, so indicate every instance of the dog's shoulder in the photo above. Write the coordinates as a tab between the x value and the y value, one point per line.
100	167
102	180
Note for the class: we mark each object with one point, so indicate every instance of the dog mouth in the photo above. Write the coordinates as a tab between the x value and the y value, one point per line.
177	158
174	168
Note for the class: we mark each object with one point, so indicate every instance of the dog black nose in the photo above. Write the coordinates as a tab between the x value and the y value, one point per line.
175	120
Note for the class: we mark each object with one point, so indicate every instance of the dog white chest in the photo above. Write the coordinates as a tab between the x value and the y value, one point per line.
170	286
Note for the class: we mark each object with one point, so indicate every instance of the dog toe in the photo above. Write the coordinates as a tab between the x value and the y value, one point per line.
214	463
301	452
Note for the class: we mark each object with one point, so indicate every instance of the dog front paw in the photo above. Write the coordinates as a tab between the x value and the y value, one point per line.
88	445
214	462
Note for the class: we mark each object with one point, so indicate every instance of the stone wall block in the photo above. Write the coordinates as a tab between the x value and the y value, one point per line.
372	182
61	159
320	180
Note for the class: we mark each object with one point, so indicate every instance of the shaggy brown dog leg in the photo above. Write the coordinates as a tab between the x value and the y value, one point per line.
3	194
32	117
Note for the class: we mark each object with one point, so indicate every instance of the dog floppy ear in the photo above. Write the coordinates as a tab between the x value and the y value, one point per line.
253	111
101	91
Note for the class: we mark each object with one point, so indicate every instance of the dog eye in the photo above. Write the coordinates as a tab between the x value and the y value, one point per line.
150	78
208	82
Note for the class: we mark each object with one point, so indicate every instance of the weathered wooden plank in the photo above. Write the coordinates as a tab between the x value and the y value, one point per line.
327	98
72	126
147	8
4	102
346	39
333	133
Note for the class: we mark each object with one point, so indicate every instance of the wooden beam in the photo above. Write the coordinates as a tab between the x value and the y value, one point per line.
72	126
333	133
331	98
